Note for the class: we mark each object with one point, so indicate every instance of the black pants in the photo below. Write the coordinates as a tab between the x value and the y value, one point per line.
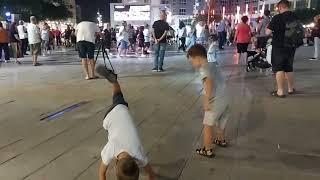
221	36
183	43
24	46
5	48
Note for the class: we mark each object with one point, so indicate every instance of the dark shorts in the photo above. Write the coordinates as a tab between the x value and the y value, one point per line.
141	44
242	47
262	42
86	49
282	59
116	100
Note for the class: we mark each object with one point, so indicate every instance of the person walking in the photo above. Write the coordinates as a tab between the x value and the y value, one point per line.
287	34
23	35
146	33
14	41
160	30
45	39
182	34
315	33
221	29
123	39
57	35
200	32
86	37
242	38
262	37
34	38
4	40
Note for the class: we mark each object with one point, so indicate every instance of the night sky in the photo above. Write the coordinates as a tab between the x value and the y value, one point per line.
89	8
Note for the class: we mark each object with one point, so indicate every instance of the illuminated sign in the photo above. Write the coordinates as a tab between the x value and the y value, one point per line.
132	12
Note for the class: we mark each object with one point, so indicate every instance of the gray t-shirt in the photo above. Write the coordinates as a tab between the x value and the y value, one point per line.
263	26
210	70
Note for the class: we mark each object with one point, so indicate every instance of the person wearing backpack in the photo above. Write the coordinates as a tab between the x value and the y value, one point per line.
287	35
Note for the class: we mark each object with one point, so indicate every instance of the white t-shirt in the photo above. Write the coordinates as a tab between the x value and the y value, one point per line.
21	32
200	31
45	35
123	35
146	34
122	137
86	31
212	52
33	34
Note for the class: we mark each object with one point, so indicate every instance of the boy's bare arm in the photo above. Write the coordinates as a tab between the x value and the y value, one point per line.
208	87
102	171
150	172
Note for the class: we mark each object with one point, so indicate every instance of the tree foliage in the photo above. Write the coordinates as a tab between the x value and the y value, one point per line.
42	9
307	15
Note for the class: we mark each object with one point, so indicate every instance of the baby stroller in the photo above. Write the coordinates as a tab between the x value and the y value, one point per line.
257	60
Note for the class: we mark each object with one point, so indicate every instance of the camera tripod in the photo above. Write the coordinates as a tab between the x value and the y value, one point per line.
104	56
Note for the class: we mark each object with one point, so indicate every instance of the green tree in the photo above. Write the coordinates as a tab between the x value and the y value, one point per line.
307	15
43	9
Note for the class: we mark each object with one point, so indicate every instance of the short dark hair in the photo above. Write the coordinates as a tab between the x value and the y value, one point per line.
267	12
197	50
1	25
244	19
127	169
285	3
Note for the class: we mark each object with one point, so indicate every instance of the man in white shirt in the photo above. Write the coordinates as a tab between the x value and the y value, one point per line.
34	39
86	36
23	35
123	144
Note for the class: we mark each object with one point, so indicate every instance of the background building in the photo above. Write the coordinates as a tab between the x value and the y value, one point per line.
296	4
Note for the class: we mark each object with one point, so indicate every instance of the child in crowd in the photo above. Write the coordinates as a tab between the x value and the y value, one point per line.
123	142
213	48
215	102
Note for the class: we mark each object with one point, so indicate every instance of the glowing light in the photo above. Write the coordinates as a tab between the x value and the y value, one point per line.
247	9
119	7
237	15
263	8
8	14
213	12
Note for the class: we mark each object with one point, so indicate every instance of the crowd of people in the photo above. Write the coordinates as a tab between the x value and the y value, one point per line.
19	38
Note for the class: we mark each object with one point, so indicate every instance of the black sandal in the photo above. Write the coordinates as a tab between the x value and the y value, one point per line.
221	143
293	92
205	152
275	94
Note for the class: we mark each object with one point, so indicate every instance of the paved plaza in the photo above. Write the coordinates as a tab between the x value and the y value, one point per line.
51	120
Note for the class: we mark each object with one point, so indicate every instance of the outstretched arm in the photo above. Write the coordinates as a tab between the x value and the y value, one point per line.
150	172
102	171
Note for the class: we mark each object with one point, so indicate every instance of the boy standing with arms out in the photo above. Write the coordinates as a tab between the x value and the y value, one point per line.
123	141
214	101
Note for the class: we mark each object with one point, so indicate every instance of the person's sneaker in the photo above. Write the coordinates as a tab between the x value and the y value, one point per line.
154	70
107	73
160	70
313	59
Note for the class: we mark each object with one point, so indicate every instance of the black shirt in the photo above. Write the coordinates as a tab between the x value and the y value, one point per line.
160	27
13	31
278	27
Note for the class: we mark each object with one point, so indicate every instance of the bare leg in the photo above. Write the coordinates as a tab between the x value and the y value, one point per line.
34	59
280	77
289	77
238	58
207	137
85	68
116	88
92	68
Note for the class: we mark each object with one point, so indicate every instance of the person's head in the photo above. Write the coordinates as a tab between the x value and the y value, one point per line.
33	20
163	15
21	22
283	6
127	169
244	19
141	28
267	12
1	25
147	26
197	55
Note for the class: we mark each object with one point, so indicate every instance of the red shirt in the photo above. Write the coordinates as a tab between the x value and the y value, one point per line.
57	33
4	36
244	33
